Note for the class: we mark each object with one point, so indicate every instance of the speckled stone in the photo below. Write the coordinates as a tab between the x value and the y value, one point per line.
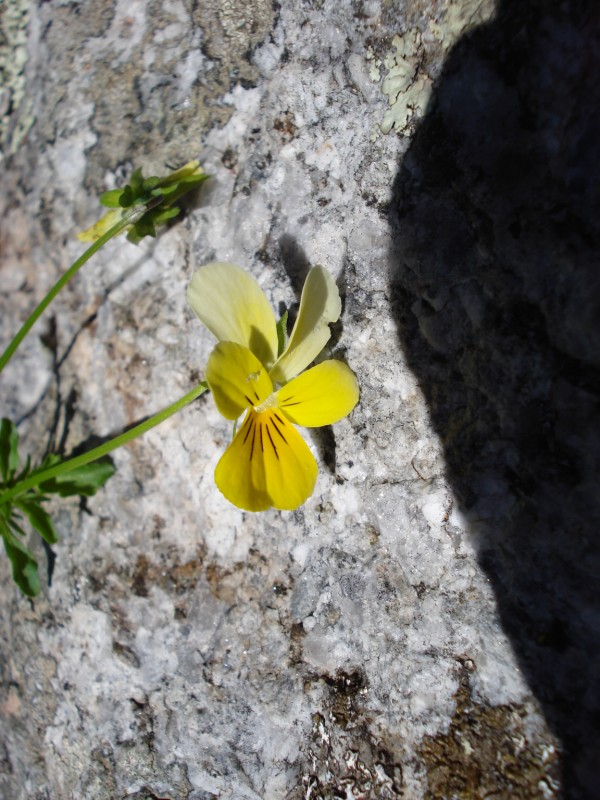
427	625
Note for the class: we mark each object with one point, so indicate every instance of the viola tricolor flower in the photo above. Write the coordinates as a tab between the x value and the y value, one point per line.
268	463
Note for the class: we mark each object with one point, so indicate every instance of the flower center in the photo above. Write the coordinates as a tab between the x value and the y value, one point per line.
270	402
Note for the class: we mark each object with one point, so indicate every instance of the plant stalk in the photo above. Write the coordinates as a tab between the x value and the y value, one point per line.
98	452
130	218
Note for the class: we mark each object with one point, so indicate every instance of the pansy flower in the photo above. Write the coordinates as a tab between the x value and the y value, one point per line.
268	463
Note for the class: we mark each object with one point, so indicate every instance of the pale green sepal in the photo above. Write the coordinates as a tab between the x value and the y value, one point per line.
282	333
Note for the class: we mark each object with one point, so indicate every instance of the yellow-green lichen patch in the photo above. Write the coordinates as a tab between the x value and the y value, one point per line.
14	15
411	63
407	88
374	66
458	19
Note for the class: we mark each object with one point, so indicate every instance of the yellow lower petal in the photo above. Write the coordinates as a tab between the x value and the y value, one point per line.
320	396
268	464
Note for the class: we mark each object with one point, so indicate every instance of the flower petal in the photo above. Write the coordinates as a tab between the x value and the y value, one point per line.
268	464
233	307
320	304
236	378
320	396
103	225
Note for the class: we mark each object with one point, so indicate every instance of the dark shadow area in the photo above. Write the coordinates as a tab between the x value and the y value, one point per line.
295	263
297	266
496	293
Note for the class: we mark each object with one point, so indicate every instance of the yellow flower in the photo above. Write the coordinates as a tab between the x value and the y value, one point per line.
268	463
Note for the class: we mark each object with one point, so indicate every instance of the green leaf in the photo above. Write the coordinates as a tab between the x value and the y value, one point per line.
282	333
143	227
15	525
192	171
162	215
136	182
50	459
39	519
111	199
84	480
9	449
25	471
146	225
173	191
165	191
150	184
127	197
24	565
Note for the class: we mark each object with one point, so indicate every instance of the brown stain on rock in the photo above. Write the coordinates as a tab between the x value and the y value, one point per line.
344	759
486	753
172	576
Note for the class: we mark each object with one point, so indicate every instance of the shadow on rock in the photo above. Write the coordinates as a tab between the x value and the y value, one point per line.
496	293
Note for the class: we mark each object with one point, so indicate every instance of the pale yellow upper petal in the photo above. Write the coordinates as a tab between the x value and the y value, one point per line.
320	396
236	378
268	464
320	305
234	308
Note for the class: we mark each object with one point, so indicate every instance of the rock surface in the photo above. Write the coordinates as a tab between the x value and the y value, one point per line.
427	625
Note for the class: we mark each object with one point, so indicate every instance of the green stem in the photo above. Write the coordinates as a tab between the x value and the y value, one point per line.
93	455
130	217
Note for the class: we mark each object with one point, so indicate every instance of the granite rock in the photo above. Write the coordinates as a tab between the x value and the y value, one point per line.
426	625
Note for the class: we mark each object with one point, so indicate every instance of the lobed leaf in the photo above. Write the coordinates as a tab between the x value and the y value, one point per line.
85	480
12	521
39	518
136	183
25	471
127	197
24	565
9	449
